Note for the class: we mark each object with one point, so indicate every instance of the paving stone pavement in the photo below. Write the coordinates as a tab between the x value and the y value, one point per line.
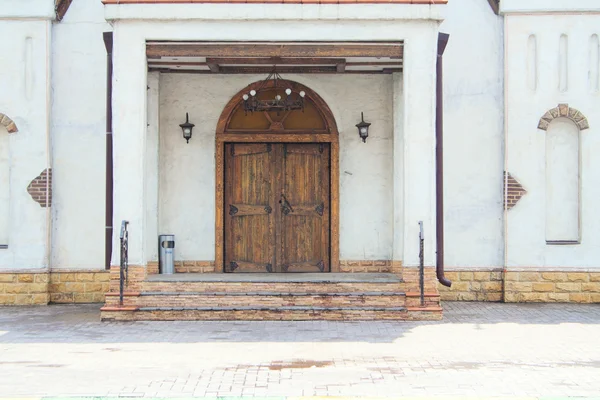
479	349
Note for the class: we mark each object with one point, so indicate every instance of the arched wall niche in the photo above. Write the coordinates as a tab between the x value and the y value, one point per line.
8	123
316	125
563	190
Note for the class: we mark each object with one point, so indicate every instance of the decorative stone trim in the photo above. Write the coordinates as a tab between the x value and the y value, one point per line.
38	188
8	123
563	110
514	191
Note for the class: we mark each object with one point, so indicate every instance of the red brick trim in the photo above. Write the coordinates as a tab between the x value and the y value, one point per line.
40	189
513	191
563	110
61	8
8	123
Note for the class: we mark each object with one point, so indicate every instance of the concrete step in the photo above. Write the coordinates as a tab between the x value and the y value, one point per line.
261	299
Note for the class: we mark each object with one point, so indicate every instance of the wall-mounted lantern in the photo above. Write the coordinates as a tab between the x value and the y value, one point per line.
187	128
363	128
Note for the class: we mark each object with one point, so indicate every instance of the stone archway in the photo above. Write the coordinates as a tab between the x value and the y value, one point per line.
8	123
564	111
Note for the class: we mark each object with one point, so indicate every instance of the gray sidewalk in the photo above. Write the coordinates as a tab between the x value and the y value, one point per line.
479	349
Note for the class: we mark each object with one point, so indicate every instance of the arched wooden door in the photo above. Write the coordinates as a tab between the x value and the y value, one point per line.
277	186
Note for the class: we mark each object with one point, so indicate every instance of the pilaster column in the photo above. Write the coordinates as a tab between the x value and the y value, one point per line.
129	140
417	149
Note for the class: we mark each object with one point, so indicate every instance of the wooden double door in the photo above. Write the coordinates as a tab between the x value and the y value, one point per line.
277	207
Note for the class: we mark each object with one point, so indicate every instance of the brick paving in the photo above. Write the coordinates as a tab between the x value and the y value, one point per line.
479	349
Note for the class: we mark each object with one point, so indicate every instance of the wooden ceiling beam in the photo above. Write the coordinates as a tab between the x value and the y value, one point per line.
250	70
374	63
278	50
282	70
277	61
182	63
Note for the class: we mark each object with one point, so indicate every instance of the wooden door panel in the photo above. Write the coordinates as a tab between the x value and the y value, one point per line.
305	208
293	236
249	222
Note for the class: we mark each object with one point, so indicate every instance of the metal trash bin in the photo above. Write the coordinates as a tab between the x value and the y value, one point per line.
166	254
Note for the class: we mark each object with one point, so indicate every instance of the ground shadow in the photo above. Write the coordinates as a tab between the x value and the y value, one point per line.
81	324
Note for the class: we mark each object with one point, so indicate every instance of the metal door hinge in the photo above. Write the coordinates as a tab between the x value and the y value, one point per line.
321	266
233	266
320	209
268	209
233	210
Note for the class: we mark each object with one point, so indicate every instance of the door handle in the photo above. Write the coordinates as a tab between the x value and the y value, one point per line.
286	207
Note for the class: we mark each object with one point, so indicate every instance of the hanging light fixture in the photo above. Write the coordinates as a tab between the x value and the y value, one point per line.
187	127
291	102
363	128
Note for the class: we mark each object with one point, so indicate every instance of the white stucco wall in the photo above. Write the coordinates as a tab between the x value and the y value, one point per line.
187	171
130	106
473	135
78	136
24	94
526	145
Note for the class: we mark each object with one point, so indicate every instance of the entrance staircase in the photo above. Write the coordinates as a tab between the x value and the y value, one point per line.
291	297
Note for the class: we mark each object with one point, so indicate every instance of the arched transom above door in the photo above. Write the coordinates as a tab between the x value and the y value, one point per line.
315	118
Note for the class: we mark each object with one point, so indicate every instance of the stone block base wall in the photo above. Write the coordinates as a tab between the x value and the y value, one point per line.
17	288
43	287
181	267
473	286
135	278
362	266
78	287
526	286
552	286
350	266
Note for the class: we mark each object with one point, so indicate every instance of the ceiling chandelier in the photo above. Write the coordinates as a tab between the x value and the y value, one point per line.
252	103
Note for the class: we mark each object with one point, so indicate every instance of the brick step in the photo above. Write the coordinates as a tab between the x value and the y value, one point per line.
413	299
280	287
279	283
272	299
290	313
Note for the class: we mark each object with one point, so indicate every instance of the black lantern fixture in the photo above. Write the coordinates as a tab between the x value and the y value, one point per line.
363	128
187	128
